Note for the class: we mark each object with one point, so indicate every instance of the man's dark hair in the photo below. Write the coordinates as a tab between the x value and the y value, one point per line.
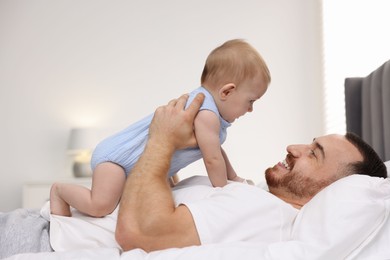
372	164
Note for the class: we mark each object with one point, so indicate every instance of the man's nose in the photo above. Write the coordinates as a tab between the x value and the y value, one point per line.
295	150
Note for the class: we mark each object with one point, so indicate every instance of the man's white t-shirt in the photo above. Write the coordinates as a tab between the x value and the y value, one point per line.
235	212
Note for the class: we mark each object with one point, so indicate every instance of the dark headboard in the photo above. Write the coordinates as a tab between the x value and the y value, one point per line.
367	105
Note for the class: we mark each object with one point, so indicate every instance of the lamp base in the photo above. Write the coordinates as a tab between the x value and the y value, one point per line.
82	169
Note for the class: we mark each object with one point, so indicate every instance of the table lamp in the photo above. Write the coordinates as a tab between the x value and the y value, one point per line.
81	143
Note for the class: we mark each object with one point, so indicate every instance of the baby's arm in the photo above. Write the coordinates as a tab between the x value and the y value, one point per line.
207	126
231	173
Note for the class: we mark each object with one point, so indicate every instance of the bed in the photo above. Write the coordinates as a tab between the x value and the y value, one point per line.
368	108
333	225
350	219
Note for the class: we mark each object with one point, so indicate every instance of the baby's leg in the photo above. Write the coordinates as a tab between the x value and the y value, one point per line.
57	205
107	185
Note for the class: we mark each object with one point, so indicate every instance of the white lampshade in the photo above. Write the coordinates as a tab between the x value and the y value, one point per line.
81	143
82	139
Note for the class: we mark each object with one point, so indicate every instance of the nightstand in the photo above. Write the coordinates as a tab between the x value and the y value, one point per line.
36	193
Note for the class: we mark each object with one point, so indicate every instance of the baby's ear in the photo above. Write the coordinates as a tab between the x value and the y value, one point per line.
226	90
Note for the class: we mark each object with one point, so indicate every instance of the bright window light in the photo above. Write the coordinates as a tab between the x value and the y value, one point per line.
356	41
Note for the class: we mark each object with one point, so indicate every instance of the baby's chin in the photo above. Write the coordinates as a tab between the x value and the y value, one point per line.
231	120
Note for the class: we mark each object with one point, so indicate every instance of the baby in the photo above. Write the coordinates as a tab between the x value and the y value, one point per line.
233	78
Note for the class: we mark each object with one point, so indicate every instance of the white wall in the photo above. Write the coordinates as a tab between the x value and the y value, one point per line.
79	63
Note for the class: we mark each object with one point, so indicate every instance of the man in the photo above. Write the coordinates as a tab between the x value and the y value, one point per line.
149	218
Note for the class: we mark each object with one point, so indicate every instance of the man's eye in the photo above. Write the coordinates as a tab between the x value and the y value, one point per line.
312	153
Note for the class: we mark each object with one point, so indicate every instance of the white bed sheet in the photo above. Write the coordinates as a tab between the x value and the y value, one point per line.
347	220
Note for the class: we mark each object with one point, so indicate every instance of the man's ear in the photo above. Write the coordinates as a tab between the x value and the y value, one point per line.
226	90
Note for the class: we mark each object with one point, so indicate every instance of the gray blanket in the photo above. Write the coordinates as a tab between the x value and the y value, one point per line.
23	231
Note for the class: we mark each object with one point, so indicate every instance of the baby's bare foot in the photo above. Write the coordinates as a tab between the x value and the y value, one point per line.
57	205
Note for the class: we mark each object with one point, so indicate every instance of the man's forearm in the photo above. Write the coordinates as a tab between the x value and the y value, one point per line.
146	195
147	217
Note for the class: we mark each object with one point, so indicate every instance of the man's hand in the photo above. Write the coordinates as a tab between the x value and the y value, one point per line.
172	126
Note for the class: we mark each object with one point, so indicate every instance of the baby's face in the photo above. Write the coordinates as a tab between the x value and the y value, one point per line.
242	99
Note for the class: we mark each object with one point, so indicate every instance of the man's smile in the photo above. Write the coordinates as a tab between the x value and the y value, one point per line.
285	164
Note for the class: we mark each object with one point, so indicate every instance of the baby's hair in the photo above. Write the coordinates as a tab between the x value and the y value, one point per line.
233	62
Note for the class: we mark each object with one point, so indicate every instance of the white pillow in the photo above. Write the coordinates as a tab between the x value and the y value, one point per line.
387	163
344	217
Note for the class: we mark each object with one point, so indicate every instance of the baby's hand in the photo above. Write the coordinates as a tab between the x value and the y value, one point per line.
242	180
250	182
238	179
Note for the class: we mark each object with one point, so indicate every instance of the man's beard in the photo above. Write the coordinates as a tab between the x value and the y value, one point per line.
296	184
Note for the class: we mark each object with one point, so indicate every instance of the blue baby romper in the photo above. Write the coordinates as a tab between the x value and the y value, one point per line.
125	147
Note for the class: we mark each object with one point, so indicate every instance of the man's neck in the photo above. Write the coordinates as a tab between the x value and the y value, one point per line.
294	201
